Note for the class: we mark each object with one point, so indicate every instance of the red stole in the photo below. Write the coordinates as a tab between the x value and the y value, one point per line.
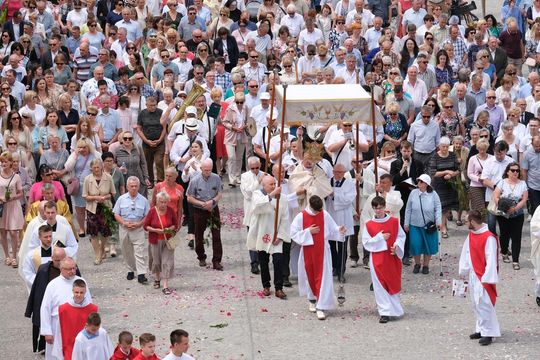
314	254
387	266
72	321
477	249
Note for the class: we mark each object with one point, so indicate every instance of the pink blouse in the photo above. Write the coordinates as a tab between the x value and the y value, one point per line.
474	170
35	191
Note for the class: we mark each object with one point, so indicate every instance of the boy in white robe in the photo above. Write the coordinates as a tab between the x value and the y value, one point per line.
384	238
535	252
340	206
479	260
58	292
312	229
261	236
93	342
179	346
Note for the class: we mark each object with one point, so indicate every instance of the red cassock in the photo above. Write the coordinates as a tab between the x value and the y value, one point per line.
314	254
477	249
72	321
386	266
142	357
119	355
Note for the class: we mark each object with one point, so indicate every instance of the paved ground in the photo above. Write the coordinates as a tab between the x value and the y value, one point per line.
228	319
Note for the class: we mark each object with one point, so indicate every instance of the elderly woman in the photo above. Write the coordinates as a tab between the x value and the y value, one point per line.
422	214
514	116
289	74
160	222
450	122
11	215
477	190
78	164
173	189
26	181
110	168
510	196
132	162
507	134
55	157
507	87
481	122
444	168
46	175
98	190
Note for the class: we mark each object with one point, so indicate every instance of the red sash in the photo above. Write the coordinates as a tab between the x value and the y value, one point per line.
477	249
314	254
387	266
72	321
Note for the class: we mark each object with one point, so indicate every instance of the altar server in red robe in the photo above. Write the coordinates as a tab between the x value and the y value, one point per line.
312	229
73	316
479	260
384	238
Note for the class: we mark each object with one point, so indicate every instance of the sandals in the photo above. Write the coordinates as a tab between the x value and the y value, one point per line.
14	263
444	234
516	266
506	258
7	261
459	223
157	284
166	291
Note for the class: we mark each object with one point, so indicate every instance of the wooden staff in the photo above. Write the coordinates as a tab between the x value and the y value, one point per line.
280	165
357	169
374	129
270	122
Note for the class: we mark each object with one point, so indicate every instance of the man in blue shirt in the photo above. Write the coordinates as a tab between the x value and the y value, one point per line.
110	121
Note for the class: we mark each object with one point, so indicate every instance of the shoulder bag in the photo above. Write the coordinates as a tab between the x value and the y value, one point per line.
430	226
174	240
74	184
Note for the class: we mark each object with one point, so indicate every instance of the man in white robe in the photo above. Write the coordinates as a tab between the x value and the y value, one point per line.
384	238
62	232
261	236
394	203
249	182
535	252
479	260
38	256
312	229
58	292
340	206
34	224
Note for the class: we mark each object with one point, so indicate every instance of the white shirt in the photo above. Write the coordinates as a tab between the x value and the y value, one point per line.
257	74
351	77
259	114
295	24
372	37
183	69
309	38
367	18
418	91
344	155
493	170
184	356
307	65
77	18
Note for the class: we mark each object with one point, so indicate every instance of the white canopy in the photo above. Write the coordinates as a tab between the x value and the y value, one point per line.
309	104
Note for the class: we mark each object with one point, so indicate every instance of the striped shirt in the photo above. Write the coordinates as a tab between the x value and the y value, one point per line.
83	65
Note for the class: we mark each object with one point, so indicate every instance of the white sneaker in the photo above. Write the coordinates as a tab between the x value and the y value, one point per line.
312	307
321	315
354	264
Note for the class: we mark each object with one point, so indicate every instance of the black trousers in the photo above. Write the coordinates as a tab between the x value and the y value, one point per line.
38	341
511	229
286	260
187	208
338	250
277	261
534	200
353	248
407	240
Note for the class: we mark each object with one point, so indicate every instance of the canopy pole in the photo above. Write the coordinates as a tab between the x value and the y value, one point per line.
374	129
280	164
357	169
270	123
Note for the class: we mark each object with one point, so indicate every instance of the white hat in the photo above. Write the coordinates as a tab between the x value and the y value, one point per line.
425	178
191	110
192	124
265	96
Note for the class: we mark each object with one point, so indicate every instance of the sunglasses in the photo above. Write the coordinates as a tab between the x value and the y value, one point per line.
128	138
12	143
340	22
484	136
514	170
15	118
426	116
203	50
255	168
92	25
429	38
392	114
112	33
287	66
130	48
491	97
165	56
448	107
134	88
5	88
253	86
239	102
512	73
394	73
92	114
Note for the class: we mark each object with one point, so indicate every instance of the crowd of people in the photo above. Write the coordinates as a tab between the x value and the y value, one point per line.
122	120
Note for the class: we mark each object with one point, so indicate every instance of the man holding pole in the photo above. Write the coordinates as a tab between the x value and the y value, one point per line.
262	231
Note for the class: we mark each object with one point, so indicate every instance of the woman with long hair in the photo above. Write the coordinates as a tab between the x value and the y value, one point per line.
443	70
11	215
222	21
45	97
98	190
5	94
203	53
51	126
61	71
172	14
408	55
21	134
5	45
69	117
137	102
85	131
26	49
79	103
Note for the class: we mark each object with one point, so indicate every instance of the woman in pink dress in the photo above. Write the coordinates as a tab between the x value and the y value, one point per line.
11	218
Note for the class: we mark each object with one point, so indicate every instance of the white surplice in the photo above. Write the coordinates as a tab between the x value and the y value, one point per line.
486	318
261	227
58	292
535	249
249	182
387	305
91	347
394	203
301	236
24	249
63	233
340	205
29	266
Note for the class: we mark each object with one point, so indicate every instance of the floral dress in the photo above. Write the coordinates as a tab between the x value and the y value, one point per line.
449	126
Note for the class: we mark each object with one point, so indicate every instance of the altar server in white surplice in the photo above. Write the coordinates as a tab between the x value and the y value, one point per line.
340	206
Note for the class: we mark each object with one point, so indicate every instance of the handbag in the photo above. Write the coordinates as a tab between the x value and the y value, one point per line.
74	184
430	226
174	240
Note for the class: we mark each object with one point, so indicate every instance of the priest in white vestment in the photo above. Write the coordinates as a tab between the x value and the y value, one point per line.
58	292
312	229
479	260
384	238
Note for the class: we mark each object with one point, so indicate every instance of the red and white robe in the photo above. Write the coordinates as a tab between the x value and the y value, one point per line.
384	267
72	317
478	259
315	262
